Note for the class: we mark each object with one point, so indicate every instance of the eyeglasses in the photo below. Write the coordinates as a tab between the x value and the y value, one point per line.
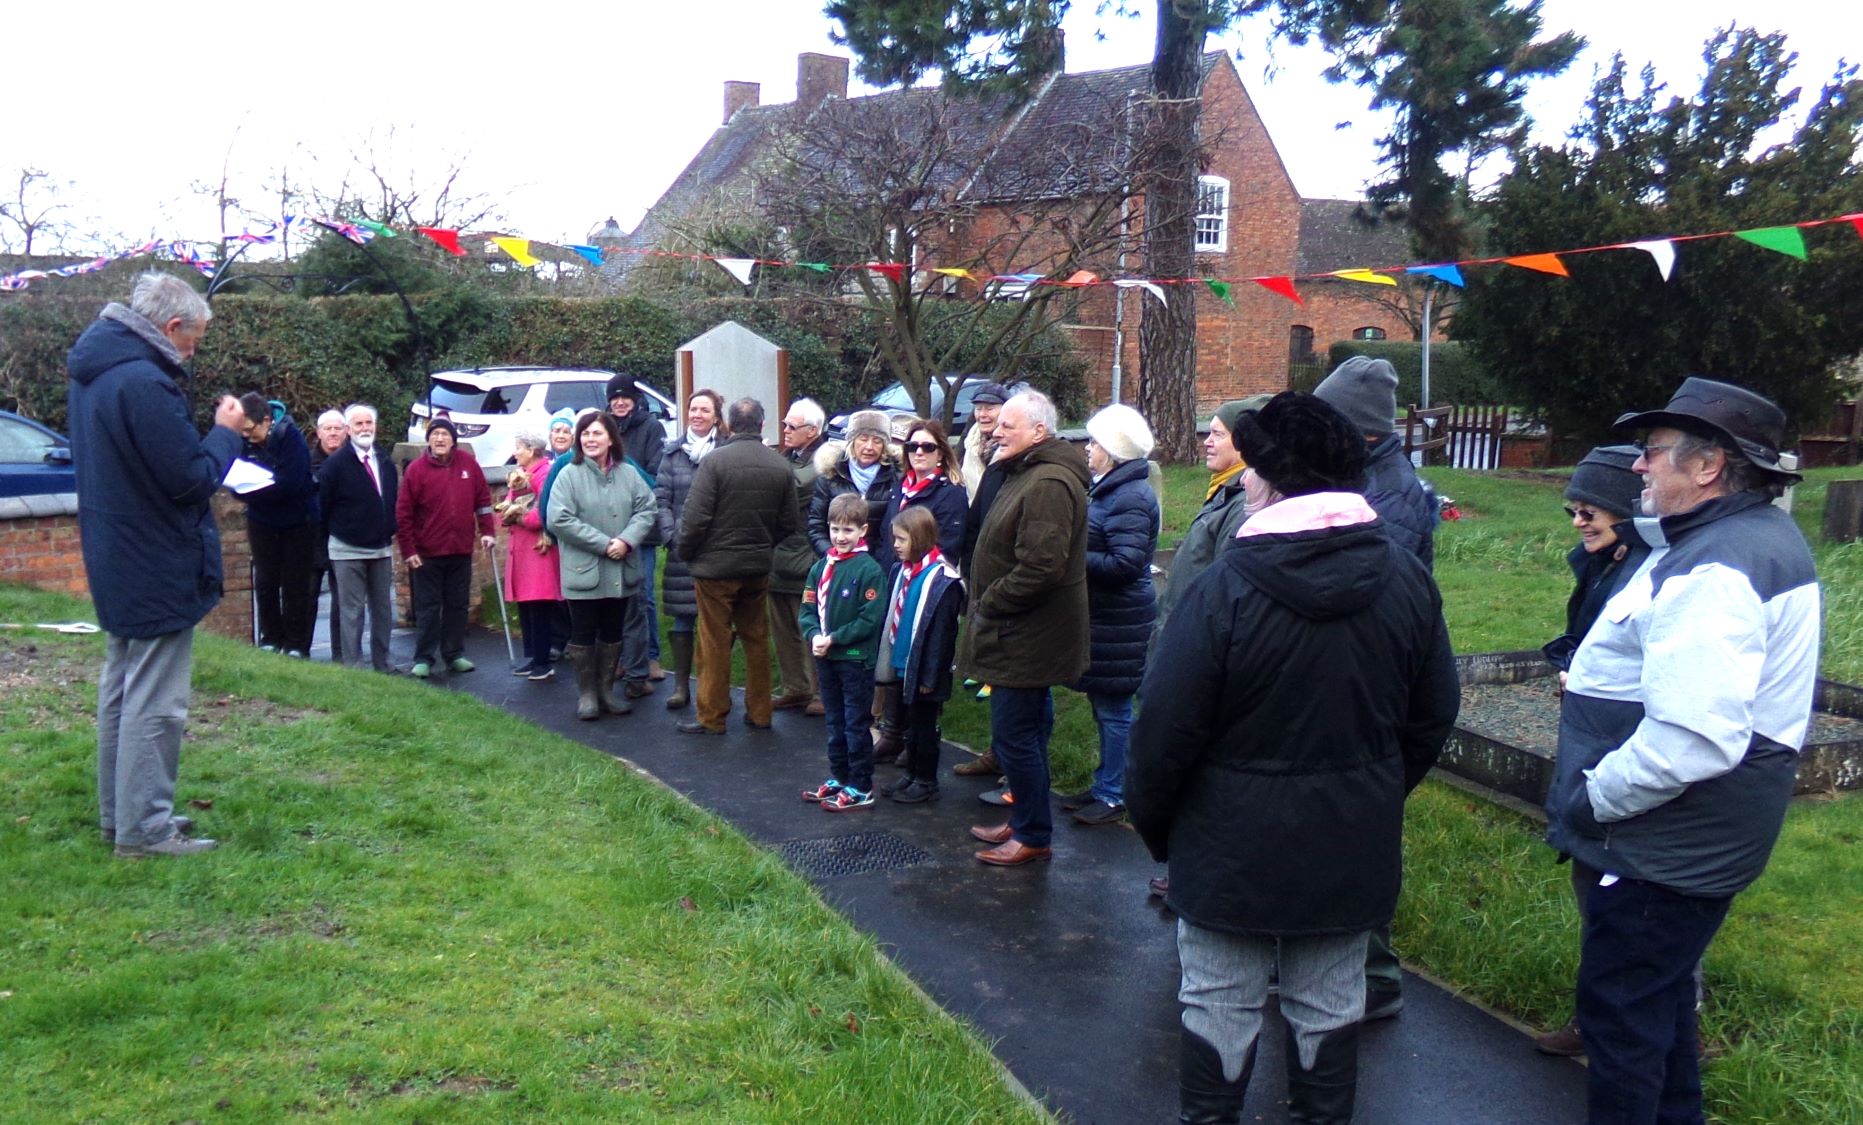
797	426
1652	450
922	447
1582	515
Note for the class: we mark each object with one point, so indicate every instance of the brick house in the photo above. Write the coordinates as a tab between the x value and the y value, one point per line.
1251	220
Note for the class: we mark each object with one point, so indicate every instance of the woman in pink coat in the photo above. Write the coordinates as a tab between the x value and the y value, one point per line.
531	576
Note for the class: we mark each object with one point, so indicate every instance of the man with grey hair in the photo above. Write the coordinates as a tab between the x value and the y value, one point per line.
332	435
1684	711
356	492
795	557
1028	626
151	547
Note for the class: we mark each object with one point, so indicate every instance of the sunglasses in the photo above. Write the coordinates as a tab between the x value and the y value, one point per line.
1582	515
922	447
797	426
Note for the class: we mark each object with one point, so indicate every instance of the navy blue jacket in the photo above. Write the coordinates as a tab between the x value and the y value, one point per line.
948	503
352	511
934	642
145	483
291	499
1122	603
1406	505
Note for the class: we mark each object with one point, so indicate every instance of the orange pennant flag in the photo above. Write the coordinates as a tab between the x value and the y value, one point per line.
1082	277
1544	263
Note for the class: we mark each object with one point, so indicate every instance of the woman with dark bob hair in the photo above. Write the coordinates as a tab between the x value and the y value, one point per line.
1310	687
600	510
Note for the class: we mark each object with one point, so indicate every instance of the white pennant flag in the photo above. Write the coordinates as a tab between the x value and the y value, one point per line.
738	268
1151	287
1663	251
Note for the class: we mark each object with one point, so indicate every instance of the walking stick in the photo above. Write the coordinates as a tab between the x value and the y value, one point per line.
504	615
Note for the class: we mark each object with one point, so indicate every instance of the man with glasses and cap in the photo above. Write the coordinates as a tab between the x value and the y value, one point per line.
1685	707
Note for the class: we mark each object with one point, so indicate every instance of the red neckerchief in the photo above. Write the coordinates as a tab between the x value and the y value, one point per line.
908	572
912	484
826	585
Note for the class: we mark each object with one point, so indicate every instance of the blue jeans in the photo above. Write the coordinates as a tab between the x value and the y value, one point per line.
1021	720
1636	1001
847	700
1114	715
650	599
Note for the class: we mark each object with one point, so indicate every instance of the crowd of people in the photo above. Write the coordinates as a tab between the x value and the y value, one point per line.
1309	683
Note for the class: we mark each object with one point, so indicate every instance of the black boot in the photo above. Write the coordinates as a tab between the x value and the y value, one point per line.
606	656
1204	1096
1323	1093
582	659
681	644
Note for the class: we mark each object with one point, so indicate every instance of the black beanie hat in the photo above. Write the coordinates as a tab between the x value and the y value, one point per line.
1604	480
1299	444
622	385
444	424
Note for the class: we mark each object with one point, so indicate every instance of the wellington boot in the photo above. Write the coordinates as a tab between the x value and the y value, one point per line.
889	736
606	656
681	675
588	702
1205	1096
1323	1093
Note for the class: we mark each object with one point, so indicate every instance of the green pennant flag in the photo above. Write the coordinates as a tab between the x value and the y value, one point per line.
1221	289
1785	240
818	267
379	228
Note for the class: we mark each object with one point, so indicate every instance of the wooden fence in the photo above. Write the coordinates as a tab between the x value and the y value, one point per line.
1466	437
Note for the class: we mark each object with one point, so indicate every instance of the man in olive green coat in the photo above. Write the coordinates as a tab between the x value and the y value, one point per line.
795	557
1028	613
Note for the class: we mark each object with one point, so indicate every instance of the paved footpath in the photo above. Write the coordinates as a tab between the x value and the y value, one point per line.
1067	966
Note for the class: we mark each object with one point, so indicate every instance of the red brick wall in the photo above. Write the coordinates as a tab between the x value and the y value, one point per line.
43	551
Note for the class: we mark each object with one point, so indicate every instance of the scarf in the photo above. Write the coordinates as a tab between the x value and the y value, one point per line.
697	447
862	476
907	573
145	329
1217	480
912	484
826	586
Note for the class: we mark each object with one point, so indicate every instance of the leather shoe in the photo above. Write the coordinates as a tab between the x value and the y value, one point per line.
1013	854
1159	885
815	710
789	702
984	765
693	726
992	834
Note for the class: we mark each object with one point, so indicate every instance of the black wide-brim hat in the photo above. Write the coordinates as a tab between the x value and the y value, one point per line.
1742	420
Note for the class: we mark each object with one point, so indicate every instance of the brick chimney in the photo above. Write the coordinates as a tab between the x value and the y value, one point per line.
818	78
740	95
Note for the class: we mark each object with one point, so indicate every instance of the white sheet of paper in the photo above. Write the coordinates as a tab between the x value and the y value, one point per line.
244	476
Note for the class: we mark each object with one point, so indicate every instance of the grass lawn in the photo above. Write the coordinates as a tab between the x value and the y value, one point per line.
421	912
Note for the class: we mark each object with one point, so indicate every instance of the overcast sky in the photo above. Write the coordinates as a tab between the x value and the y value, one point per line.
565	113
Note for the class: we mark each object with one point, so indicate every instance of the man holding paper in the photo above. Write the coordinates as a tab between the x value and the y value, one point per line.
151	547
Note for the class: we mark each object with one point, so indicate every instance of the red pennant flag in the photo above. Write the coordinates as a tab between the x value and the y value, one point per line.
894	272
1544	263
1855	220
448	239
1282	285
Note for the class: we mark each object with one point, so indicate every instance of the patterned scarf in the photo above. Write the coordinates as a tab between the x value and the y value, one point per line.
912	484
697	447
907	573
826	586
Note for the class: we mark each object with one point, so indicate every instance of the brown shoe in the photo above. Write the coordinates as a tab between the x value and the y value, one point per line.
1013	854
815	710
983	765
1566	1042
1159	885
992	834
789	702
655	672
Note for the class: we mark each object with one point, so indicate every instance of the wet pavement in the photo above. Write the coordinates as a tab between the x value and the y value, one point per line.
1069	967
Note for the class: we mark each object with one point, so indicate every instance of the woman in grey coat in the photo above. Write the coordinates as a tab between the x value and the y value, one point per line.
600	512
705	428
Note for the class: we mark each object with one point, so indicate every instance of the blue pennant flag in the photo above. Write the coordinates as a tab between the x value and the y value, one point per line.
1448	273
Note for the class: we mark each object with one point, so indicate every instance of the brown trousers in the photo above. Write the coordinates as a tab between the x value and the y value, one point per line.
727	606
793	658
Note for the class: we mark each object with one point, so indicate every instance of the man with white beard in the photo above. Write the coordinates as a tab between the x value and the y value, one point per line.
356	492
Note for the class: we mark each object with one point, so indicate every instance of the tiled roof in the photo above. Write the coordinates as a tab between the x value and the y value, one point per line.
1340	234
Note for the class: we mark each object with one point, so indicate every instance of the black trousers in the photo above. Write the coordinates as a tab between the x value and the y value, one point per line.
281	581
442	588
597	620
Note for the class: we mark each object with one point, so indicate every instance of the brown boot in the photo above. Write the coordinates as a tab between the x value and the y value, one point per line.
681	675
983	765
588	701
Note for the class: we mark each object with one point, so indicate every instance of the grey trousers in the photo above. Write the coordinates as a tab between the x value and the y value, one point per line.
142	710
793	658
1225	984
365	584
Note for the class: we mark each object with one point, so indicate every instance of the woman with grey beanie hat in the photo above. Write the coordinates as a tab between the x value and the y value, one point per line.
1603	496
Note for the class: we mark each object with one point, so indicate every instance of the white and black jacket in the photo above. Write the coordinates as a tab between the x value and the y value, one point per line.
1688	701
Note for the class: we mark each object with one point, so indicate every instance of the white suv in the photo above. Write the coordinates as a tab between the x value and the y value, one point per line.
491	406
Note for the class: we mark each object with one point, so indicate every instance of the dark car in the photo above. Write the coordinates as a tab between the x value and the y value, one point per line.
896	403
34	460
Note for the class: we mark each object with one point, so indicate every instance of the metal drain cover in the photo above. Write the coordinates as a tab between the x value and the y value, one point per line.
855	854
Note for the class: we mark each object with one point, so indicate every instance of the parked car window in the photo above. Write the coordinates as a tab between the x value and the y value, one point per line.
575	396
21	444
460	398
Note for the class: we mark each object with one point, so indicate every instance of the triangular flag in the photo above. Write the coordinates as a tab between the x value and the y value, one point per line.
1221	289
1281	285
950	271
448	239
737	267
1082	277
1786	240
818	267
1660	249
1369	277
518	248
592	253
379	228
894	272
1855	220
1544	263
1151	287
1447	273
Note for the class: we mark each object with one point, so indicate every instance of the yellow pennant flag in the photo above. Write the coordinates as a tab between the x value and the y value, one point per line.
518	248
1369	277
949	271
